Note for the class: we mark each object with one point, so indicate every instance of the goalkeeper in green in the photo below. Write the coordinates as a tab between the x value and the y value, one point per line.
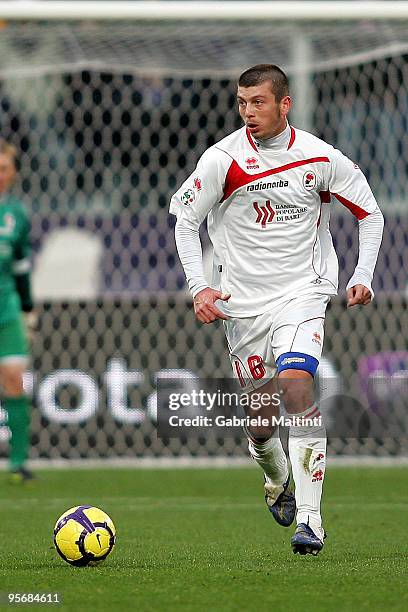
16	308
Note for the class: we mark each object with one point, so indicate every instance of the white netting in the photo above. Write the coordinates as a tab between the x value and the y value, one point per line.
109	120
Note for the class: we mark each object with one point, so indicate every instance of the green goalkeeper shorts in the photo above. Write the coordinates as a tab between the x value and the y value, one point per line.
13	340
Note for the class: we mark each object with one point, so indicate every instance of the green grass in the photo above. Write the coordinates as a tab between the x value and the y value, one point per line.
195	540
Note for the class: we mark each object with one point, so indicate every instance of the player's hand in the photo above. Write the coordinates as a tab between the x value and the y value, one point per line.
204	307
31	324
358	295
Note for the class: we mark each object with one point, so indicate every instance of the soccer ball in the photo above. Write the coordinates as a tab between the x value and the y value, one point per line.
84	535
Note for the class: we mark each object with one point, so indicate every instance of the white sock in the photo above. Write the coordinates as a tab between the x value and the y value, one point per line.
272	459
307	452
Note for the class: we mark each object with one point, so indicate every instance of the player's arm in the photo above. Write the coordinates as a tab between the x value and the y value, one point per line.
22	272
349	186
191	204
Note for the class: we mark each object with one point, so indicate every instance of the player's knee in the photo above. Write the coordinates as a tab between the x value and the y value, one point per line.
295	373
12	383
258	435
297	362
14	388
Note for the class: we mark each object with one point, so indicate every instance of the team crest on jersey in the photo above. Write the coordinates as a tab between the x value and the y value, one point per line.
309	180
252	163
188	197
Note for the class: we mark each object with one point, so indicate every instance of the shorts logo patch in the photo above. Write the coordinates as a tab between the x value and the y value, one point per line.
188	197
197	184
309	180
316	338
9	225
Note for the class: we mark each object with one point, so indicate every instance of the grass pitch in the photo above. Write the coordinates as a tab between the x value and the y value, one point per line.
203	540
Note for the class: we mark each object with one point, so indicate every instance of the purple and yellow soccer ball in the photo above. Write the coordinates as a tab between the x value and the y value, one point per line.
84	535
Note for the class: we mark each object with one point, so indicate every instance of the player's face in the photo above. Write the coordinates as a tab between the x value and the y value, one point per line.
261	113
7	172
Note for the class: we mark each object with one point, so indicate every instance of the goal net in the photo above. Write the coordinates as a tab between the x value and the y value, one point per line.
109	119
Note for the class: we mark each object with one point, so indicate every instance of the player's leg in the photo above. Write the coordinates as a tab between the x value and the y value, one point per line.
13	362
252	364
297	343
307	452
267	450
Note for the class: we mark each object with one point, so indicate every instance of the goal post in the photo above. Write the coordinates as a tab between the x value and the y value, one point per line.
210	10
110	106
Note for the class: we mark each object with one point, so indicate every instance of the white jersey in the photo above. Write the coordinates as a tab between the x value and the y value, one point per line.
268	215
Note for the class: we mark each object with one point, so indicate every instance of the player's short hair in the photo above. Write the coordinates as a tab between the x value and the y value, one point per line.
6	148
266	72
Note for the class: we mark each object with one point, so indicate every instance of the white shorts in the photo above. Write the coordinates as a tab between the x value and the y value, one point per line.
288	336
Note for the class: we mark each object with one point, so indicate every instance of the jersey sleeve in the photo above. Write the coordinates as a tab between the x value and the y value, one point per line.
22	244
202	190
349	186
21	265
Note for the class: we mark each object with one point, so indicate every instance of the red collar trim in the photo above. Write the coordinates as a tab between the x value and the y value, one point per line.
251	142
292	137
291	140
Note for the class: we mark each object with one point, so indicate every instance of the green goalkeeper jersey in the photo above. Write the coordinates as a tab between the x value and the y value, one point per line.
15	292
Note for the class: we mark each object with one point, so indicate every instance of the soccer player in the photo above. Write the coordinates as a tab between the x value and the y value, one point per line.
267	190
15	297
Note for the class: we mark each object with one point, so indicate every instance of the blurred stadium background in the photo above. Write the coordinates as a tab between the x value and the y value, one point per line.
110	117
